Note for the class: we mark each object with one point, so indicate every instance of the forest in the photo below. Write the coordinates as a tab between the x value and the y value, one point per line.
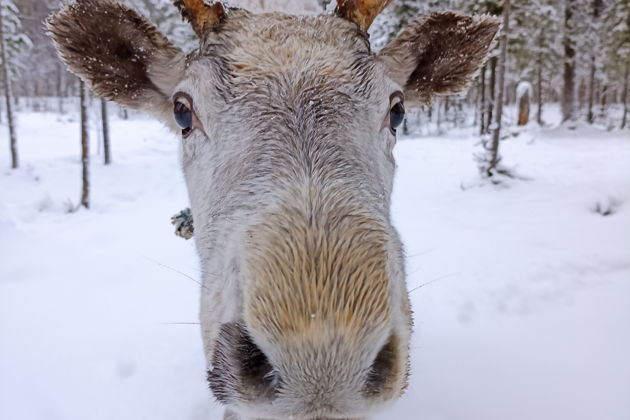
573	53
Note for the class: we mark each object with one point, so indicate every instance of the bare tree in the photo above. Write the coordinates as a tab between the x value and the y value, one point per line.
482	101
624	96
539	84
85	148
6	80
568	90
590	117
105	119
498	98
492	85
59	92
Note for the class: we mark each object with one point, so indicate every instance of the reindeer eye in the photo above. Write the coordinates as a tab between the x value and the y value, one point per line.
396	116
183	117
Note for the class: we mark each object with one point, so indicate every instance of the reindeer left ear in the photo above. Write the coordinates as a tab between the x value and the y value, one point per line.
121	55
438	54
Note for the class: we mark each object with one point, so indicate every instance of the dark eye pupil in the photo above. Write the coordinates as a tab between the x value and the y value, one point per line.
183	116
396	116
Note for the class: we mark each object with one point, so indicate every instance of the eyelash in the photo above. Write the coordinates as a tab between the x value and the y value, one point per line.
396	114
183	114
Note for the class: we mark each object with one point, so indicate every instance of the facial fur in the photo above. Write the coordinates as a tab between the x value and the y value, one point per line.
289	167
319	265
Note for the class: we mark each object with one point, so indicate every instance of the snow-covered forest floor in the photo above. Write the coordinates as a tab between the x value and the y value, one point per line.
521	294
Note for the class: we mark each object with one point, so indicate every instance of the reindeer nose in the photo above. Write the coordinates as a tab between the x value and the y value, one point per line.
240	368
242	372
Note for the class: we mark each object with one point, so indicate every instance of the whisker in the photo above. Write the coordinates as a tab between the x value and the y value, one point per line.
175	270
421	253
432	281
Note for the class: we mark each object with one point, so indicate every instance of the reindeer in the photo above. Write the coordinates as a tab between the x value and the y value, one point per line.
287	128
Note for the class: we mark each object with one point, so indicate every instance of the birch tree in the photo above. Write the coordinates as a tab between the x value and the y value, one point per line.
105	122
85	148
568	103
498	99
12	45
596	10
619	36
488	160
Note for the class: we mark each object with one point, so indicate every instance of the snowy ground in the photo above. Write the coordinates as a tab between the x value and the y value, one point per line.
521	295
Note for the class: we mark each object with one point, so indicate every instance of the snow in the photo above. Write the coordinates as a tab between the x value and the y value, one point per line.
521	294
523	88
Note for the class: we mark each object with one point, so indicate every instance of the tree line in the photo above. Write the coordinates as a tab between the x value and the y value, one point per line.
572	52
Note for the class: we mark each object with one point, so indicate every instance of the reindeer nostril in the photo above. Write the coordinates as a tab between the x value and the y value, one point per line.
382	373
255	367
240	368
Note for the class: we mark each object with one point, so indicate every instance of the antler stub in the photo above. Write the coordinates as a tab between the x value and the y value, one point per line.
361	12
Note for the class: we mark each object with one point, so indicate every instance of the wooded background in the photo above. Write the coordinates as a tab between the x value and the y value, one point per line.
575	53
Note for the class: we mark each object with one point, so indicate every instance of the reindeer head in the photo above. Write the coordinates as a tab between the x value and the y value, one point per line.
287	128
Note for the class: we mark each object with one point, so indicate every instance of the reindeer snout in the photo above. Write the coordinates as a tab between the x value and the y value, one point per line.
242	374
318	338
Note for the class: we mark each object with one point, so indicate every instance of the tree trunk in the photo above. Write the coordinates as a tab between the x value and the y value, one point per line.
59	89
447	106
603	97
85	148
482	102
539	93
624	96
6	81
498	98
568	90
439	115
590	116
523	108
597	5
491	96
106	147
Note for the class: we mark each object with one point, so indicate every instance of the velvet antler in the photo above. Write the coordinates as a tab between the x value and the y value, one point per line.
201	16
361	12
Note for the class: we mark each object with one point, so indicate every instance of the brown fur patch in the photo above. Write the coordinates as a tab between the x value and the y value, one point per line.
439	54
311	274
361	12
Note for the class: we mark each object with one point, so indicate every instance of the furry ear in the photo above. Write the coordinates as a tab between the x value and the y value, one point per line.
118	53
438	54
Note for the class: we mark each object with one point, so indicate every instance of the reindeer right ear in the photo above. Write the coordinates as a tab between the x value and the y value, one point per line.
120	54
438	54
